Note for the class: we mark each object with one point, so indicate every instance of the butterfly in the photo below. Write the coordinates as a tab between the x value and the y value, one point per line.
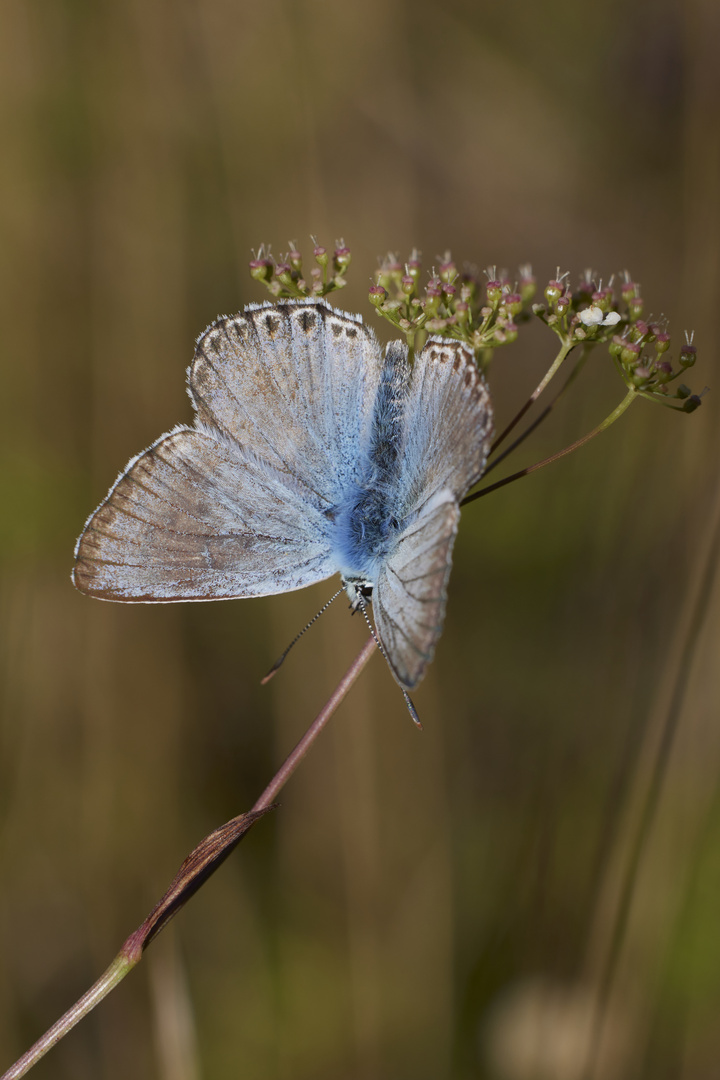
314	452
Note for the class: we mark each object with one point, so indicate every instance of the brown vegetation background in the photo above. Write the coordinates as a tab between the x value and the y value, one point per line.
422	906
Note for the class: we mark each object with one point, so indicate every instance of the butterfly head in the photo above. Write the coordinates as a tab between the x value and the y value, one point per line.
359	591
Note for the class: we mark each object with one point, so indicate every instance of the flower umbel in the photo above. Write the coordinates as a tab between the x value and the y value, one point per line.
485	314
285	278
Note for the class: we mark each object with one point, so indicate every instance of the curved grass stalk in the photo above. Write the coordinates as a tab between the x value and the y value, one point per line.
200	864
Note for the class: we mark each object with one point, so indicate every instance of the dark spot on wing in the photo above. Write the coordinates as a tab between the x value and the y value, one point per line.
351	332
336	329
271	323
307	320
240	327
211	342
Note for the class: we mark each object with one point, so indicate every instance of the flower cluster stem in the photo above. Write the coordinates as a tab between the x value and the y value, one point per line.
626	402
551	371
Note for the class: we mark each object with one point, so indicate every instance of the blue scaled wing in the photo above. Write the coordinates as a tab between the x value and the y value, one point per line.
294	383
447	432
241	505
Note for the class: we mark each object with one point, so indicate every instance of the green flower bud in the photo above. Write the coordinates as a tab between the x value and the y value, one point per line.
448	270
284	274
262	269
641	376
528	285
321	256
630	353
553	291
635	308
688	355
603	299
341	258
512	303
414	263
493	291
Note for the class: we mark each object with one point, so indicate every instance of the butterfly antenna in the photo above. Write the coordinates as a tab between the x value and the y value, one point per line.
295	640
411	708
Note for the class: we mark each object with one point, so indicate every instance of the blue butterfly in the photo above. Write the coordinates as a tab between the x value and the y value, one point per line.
314	452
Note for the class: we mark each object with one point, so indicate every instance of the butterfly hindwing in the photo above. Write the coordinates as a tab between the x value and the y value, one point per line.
410	594
194	518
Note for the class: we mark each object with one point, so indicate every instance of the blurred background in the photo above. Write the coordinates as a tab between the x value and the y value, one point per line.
529	889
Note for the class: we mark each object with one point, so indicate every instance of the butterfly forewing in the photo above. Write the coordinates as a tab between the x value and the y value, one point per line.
295	382
448	425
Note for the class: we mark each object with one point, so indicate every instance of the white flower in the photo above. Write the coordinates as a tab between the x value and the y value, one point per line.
593	316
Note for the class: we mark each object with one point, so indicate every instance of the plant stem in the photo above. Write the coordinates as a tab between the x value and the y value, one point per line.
294	758
614	415
565	350
195	870
99	990
543	415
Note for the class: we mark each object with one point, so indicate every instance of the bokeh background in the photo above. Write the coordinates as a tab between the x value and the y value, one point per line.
530	889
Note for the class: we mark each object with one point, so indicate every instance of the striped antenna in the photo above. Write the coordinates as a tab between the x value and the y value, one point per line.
295	640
